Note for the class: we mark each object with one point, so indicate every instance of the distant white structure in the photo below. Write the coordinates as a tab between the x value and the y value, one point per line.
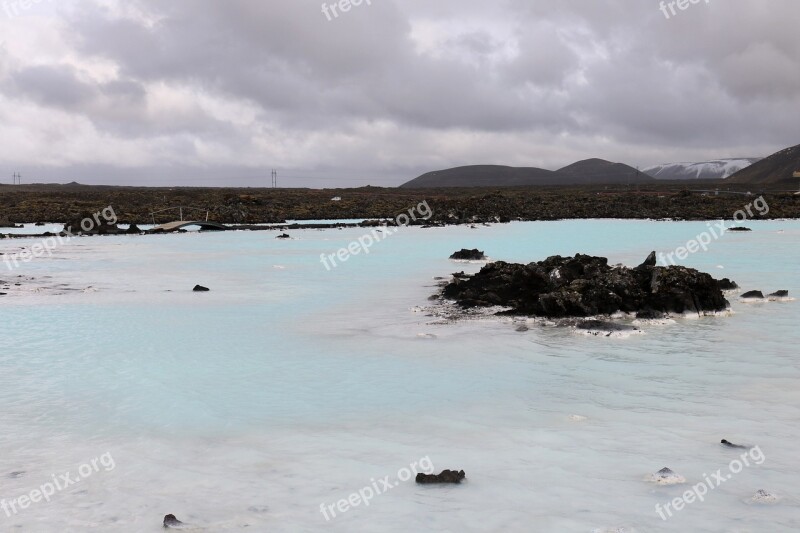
336	199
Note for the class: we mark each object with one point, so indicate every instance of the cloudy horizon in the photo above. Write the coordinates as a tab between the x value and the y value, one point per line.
198	92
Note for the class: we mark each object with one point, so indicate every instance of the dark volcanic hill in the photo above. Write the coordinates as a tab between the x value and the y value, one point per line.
589	172
779	168
484	176
600	171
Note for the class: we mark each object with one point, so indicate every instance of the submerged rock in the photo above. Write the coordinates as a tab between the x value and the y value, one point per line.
762	497
469	255
603	327
751	295
448	476
200	288
586	286
171	522
666	476
731	445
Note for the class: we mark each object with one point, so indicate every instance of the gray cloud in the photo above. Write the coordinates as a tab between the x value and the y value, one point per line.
205	88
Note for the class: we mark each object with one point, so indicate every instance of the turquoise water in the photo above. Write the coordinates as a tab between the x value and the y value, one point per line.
289	386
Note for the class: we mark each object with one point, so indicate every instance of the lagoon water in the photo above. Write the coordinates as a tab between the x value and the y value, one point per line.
288	386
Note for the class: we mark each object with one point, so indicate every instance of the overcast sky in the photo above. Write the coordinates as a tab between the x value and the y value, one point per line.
218	92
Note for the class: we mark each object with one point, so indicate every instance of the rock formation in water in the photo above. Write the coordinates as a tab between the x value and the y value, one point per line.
666	476
447	476
171	522
586	286
751	295
469	255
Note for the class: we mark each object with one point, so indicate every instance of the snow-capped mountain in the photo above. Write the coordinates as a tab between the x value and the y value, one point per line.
707	170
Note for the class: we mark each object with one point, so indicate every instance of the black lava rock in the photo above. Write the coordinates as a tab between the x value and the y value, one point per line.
752	295
171	521
448	476
200	288
469	255
731	445
586	286
651	261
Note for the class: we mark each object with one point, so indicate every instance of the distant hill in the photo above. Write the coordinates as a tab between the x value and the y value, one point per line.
591	171
706	170
600	171
778	168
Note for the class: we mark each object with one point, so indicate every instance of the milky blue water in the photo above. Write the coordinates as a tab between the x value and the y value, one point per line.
289	386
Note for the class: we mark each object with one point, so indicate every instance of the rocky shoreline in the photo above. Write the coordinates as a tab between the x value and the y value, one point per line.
139	205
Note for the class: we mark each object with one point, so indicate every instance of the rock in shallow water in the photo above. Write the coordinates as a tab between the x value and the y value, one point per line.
752	295
779	294
469	255
200	288
666	476
585	286
762	497
604	327
732	445
448	476
171	522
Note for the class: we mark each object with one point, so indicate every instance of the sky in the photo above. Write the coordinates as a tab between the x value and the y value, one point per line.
220	92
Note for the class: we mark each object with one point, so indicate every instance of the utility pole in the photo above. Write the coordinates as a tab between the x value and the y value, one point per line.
274	179
17	178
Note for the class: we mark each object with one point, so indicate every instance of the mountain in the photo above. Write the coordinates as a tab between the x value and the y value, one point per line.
484	176
777	168
600	171
591	171
706	170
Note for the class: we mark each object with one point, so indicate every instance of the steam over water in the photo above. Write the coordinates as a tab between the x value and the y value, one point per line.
288	386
